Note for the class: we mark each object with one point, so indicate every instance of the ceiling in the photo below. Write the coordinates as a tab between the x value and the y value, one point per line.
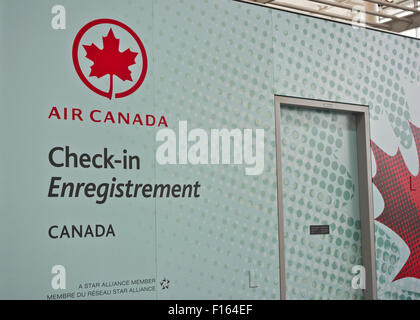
400	16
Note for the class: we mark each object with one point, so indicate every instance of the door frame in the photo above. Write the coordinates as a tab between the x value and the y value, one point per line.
365	184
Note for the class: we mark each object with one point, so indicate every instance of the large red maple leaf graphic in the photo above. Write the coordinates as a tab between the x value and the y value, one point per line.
401	193
110	61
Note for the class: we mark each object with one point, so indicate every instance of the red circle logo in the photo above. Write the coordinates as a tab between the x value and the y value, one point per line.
110	61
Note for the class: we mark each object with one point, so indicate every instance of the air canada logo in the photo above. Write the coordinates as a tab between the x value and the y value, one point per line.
109	58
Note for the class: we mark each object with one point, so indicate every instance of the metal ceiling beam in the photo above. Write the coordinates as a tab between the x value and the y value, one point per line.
397	23
350	7
400	26
393	5
313	11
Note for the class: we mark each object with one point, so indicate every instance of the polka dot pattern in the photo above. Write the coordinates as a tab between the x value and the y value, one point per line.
319	189
218	64
213	72
324	60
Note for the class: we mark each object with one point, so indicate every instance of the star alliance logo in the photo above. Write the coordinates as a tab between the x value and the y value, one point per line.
164	284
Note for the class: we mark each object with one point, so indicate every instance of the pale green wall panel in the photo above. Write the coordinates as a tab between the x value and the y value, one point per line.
214	71
216	64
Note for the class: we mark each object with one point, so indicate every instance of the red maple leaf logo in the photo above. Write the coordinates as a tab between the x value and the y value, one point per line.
401	193
110	61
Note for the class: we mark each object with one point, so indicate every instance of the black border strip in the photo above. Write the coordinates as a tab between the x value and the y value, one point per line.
329	20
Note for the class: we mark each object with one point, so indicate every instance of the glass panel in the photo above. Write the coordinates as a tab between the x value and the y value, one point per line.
320	187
